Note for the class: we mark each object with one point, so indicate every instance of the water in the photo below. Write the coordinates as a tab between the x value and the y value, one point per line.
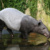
27	47
23	47
14	47
40	47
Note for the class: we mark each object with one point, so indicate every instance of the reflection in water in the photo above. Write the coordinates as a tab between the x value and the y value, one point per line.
16	47
35	47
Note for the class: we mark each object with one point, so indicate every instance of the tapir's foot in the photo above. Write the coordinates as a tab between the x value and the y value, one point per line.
1	42
0	34
10	40
23	37
12	36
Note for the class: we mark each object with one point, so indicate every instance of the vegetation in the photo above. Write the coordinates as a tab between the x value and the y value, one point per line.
47	6
21	5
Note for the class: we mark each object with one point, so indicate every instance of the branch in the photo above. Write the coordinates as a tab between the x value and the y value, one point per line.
2	4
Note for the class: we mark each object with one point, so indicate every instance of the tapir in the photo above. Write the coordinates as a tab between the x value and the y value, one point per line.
14	19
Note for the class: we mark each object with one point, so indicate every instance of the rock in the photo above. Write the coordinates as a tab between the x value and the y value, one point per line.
36	39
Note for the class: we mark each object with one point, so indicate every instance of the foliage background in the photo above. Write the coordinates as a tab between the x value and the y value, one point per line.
21	5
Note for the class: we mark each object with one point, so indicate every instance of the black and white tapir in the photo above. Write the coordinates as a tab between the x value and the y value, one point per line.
13	19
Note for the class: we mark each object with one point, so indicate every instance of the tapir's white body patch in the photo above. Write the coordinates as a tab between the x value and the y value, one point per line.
12	17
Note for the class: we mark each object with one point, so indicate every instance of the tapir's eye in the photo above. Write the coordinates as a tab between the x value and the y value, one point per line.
39	23
43	28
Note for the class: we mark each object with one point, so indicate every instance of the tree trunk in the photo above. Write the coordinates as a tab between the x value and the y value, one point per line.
2	4
27	11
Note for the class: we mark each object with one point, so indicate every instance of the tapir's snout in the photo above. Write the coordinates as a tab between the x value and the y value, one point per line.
47	35
45	32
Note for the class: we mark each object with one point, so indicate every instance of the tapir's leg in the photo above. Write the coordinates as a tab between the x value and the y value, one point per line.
24	36
1	28
10	31
1	42
0	36
11	35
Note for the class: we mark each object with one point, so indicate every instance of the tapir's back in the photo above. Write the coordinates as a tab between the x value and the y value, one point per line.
12	17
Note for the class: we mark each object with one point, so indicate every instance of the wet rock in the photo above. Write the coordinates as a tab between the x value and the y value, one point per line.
36	39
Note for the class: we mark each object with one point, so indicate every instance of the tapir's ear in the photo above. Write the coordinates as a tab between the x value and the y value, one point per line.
39	22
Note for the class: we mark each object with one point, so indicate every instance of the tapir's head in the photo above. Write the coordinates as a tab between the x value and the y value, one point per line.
41	28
